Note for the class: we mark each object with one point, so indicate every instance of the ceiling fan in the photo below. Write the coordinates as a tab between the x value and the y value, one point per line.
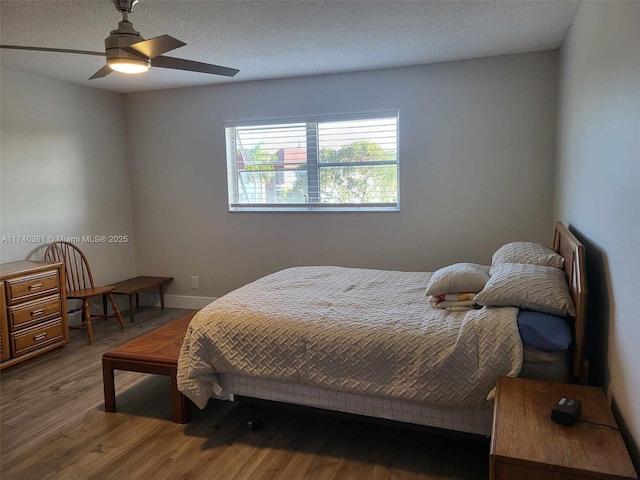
127	52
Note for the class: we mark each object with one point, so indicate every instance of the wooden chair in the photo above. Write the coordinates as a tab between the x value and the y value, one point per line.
80	284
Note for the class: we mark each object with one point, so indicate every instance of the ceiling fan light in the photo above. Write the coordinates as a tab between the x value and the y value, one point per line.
128	65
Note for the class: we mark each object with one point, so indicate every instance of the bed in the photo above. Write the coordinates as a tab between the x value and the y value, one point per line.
366	342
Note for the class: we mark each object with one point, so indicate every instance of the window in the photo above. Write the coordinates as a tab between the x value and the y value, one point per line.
343	164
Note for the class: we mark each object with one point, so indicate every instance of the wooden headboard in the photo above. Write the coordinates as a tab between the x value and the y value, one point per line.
567	245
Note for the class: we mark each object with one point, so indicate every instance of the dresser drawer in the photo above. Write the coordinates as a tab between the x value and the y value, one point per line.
33	338
26	314
32	286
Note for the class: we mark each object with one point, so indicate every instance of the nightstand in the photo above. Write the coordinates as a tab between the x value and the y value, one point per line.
527	445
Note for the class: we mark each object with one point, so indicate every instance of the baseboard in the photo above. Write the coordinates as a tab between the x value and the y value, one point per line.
175	301
146	299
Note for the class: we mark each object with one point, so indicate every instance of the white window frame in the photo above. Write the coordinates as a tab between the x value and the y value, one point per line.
312	160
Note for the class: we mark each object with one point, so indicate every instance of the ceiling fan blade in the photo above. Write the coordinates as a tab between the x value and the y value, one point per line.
190	65
155	46
103	72
56	50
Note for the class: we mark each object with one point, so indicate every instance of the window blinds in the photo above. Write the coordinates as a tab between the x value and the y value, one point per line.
336	164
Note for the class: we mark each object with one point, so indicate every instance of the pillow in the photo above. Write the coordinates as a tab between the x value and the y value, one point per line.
527	286
458	278
543	331
529	253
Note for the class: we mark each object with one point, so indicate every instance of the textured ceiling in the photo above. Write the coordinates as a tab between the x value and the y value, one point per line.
276	39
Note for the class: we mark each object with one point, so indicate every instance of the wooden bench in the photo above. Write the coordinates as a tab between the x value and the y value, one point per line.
154	352
133	286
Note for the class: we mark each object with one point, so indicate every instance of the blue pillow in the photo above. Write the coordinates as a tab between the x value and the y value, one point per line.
543	331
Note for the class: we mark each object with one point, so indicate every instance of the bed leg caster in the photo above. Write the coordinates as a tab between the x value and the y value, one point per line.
254	424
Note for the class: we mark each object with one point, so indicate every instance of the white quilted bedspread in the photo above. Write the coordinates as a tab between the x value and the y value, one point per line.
371	332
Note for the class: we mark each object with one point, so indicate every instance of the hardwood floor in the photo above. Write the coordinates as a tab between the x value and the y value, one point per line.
53	426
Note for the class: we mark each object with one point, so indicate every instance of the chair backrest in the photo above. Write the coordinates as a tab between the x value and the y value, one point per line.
76	267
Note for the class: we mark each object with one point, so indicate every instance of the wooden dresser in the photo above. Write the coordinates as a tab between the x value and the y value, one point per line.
33	310
527	445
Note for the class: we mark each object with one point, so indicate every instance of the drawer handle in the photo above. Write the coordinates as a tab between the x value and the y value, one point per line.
35	313
37	338
35	286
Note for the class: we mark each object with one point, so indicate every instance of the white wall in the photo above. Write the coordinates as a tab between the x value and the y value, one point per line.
476	170
598	183
64	170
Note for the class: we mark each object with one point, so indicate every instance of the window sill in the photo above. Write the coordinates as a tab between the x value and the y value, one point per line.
314	209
